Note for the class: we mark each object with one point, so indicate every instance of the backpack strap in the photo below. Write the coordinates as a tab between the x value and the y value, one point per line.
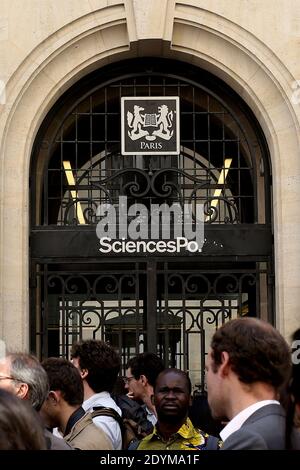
105	411
134	444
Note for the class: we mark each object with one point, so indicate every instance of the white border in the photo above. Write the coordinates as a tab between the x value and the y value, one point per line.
164	98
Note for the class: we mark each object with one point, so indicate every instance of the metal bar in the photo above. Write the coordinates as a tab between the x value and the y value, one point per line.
45	314
151	307
35	316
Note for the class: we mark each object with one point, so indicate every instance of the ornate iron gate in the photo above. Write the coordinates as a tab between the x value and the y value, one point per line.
167	304
168	307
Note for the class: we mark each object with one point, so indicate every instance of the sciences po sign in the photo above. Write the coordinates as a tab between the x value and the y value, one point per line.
150	125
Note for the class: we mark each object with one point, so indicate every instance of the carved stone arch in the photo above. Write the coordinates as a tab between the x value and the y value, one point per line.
228	51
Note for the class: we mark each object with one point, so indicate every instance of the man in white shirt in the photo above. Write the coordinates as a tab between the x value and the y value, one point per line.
99	365
249	361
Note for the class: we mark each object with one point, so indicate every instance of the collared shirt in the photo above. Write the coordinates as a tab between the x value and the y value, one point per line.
186	438
151	416
106	423
236	423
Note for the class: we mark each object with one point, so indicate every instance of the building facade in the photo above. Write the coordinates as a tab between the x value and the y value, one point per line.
232	67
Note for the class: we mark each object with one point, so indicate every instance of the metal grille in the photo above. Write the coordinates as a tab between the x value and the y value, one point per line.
118	304
166	304
86	169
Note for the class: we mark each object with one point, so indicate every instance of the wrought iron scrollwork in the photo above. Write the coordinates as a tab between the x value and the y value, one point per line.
89	210
138	184
134	183
165	188
228	205
132	187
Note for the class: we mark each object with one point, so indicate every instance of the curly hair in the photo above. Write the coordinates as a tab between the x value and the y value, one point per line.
147	364
257	351
100	360
64	376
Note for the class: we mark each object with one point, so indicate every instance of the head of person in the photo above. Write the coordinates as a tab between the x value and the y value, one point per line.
290	395
295	394
20	428
296	335
246	354
296	351
98	364
172	396
141	371
22	375
294	385
66	390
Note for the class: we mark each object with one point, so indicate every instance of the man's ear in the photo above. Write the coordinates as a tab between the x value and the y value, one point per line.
54	397
22	391
83	373
143	379
225	363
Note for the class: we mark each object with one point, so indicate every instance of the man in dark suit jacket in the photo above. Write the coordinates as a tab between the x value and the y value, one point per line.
248	363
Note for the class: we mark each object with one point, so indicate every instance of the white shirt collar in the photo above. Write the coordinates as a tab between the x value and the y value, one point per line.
242	416
151	416
94	399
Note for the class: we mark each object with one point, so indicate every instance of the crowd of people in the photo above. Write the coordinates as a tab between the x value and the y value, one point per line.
253	393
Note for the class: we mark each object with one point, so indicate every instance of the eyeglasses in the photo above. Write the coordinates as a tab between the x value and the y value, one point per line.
6	377
126	380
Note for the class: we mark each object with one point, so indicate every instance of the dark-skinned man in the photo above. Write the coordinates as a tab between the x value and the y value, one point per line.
174	430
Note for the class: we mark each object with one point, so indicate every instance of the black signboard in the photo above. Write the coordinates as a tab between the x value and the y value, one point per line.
150	125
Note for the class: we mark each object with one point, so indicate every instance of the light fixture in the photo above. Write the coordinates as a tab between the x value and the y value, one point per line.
71	182
221	181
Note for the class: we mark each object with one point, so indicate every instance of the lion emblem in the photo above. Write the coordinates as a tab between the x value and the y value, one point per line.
162	121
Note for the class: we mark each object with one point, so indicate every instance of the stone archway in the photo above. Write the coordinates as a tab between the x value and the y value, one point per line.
185	32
